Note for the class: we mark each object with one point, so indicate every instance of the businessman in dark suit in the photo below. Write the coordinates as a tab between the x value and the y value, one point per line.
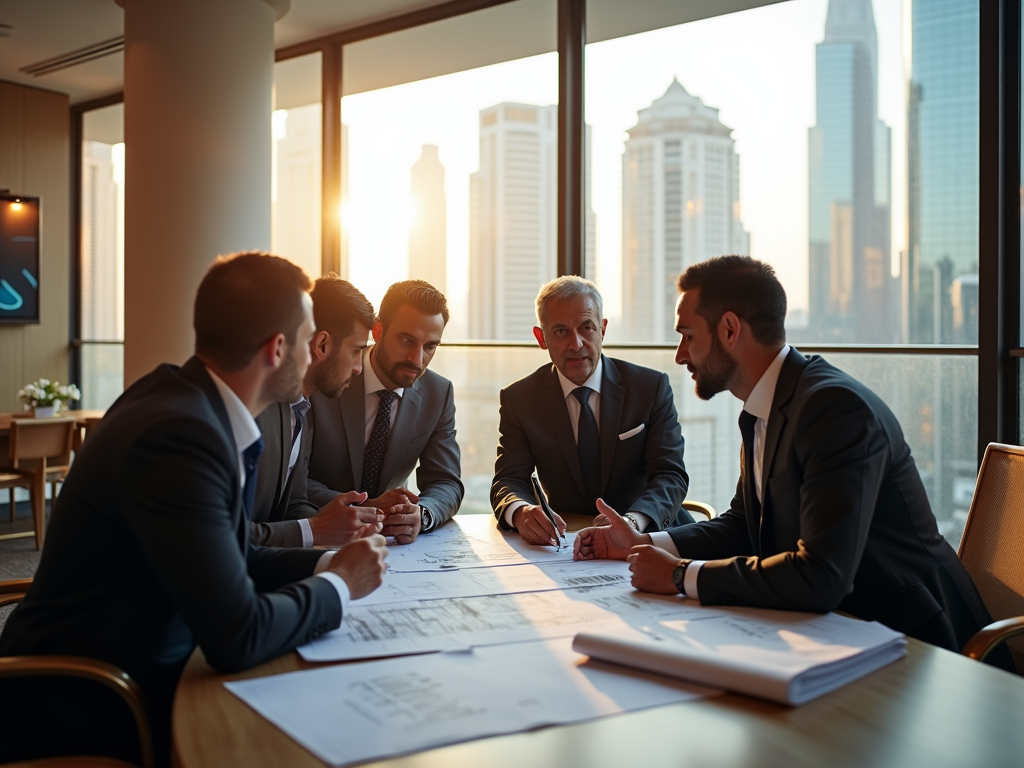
591	426
829	512
148	550
396	413
282	514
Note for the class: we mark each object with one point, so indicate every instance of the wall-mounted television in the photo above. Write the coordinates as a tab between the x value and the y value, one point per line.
19	259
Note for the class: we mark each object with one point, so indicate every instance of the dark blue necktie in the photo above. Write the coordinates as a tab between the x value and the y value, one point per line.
747	421
250	461
588	443
299	410
373	458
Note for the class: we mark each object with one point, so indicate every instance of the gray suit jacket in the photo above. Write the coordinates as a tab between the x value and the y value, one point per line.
424	431
280	497
642	473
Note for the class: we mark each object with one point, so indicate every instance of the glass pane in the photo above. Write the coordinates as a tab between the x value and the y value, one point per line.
453	180
786	132
102	375
296	168
934	398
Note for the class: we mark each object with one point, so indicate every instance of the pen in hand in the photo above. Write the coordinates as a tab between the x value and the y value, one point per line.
542	500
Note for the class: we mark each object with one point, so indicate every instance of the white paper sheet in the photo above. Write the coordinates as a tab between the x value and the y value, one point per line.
401	587
436	625
359	712
472	541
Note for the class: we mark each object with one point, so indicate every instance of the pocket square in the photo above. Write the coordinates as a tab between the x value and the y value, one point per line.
630	433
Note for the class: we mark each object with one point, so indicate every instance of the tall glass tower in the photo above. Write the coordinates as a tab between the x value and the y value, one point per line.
852	296
940	263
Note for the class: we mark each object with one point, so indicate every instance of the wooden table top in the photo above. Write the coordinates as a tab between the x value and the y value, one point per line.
5	418
932	708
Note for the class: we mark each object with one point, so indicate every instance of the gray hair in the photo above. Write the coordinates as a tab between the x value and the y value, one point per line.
568	287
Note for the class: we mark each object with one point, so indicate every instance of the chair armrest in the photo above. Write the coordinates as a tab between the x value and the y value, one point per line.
700	508
987	638
89	669
13	591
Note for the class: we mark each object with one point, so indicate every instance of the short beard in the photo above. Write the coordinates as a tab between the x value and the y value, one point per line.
716	373
321	381
391	369
285	384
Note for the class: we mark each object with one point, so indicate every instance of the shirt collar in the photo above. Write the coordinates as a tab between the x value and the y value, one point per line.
243	425
371	382
594	382
759	403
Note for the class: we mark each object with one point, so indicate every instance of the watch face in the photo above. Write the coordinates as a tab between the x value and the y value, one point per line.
677	576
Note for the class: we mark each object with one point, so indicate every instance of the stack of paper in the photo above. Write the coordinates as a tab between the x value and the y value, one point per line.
782	656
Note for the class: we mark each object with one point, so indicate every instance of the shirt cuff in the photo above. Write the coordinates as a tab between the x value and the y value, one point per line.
643	521
336	581
662	540
690	579
511	510
307	532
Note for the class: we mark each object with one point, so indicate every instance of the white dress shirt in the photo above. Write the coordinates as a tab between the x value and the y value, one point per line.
372	385
758	404
246	432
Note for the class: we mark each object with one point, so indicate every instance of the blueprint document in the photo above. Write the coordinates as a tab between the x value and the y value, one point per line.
423	626
473	541
359	712
401	587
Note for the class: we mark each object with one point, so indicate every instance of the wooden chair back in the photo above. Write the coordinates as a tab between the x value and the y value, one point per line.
49	439
992	547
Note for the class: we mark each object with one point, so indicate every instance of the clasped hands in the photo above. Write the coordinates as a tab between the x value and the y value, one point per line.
349	516
612	538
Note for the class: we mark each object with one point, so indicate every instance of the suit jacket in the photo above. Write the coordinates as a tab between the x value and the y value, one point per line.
281	497
148	554
424	431
643	472
845	522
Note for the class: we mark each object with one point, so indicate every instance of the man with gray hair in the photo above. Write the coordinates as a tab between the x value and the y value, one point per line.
592	427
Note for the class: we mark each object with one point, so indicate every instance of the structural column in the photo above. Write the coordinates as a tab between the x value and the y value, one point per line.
197	95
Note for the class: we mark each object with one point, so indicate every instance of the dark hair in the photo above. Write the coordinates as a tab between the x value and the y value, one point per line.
338	306
243	301
742	285
419	293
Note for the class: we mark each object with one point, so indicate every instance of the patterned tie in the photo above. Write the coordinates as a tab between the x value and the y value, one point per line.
373	458
588	443
299	410
747	421
250	461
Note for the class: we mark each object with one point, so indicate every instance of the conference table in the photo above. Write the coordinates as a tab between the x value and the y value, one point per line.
933	708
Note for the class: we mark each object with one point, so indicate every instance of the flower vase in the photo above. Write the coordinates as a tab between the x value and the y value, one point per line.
45	411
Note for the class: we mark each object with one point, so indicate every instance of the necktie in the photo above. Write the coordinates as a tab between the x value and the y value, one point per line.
747	421
250	461
373	458
588	443
299	410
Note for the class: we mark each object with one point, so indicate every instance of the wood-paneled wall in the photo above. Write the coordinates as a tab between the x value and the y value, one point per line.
34	161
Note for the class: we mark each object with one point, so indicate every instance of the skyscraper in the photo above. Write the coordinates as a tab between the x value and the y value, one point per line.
102	254
428	246
852	295
295	218
680	205
513	221
940	262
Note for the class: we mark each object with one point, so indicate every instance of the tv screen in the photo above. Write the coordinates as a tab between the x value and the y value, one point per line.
19	259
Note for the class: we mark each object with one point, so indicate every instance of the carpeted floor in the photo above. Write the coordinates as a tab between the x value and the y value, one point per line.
18	557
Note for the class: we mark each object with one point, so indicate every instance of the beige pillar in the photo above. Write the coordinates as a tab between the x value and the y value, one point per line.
197	95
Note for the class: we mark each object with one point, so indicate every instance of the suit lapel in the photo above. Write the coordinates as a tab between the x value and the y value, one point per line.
612	396
352	403
558	419
284	424
405	426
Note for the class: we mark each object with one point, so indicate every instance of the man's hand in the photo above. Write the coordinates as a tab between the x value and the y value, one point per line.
609	542
361	563
403	522
652	569
533	525
339	521
388	499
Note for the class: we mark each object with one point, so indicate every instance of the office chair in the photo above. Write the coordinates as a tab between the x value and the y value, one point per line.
701	509
992	550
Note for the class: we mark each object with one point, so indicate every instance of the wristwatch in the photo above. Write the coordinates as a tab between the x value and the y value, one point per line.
425	519
678	574
632	521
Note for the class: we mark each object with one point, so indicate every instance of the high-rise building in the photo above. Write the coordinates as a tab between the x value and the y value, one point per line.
102	254
940	261
428	238
852	294
680	205
513	220
295	217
